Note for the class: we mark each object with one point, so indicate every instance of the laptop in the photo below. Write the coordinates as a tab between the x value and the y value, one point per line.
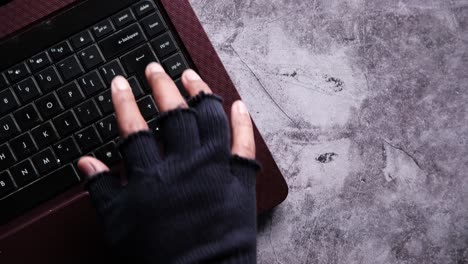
57	59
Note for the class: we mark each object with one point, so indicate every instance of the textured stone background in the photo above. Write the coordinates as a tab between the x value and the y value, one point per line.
364	105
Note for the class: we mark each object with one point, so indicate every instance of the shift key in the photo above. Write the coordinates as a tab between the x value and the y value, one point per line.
121	41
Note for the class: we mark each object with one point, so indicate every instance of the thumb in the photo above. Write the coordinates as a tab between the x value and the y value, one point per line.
90	166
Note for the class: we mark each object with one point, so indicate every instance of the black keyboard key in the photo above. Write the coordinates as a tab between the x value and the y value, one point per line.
6	157
143	8
27	117
8	128
46	161
81	39
17	72
108	154
70	68
49	106
164	45
7	101
137	60
153	126
108	128
87	112
6	184
175	65
104	101
39	191
27	90
87	139
153	25
112	69
181	88
23	173
147	107
3	82
123	18
103	28
70	94
121	41
44	135
66	150
60	50
48	79
23	146
66	123
91	57
91	83
39	61
136	87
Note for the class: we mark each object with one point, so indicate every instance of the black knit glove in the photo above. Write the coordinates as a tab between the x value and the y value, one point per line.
194	203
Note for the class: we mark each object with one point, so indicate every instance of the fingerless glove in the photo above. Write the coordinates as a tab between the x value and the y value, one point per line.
187	198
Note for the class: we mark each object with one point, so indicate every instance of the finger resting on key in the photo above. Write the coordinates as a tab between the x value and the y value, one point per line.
128	115
165	92
194	84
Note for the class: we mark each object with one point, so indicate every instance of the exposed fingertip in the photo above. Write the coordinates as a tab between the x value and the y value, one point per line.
243	143
154	68
193	83
190	75
241	108
120	83
90	166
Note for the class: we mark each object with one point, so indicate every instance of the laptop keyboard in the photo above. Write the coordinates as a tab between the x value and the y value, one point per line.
56	105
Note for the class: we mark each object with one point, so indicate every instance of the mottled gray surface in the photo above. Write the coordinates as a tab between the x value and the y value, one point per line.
364	105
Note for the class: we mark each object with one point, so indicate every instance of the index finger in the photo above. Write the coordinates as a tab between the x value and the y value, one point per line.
128	114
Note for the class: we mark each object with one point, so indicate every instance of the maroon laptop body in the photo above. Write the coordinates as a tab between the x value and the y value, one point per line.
64	229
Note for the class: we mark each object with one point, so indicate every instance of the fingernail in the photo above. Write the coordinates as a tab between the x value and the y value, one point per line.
241	108
155	68
191	75
120	83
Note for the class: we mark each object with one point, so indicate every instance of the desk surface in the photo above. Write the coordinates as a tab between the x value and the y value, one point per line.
364	106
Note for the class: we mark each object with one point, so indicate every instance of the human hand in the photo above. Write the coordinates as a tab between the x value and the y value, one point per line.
195	201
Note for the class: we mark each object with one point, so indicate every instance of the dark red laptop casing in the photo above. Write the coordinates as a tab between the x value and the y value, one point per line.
64	229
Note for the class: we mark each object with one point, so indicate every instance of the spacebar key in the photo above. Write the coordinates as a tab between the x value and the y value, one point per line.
121	41
39	191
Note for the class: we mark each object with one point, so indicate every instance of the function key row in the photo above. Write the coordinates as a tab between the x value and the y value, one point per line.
70	67
125	39
76	42
39	61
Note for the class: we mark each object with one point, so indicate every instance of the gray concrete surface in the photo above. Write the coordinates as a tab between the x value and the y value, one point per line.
364	105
